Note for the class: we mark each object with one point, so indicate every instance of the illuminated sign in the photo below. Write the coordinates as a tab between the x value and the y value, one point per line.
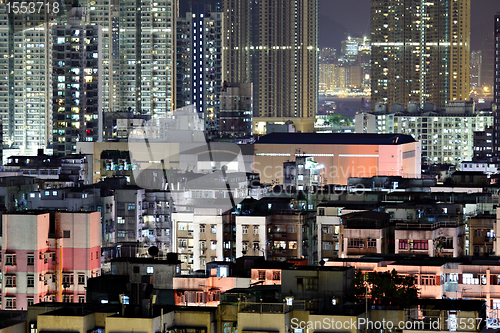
310	164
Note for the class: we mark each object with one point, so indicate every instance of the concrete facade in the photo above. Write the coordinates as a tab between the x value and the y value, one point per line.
48	257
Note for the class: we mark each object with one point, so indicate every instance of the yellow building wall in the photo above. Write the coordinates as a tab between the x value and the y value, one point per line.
193	318
267	322
65	323
336	323
122	324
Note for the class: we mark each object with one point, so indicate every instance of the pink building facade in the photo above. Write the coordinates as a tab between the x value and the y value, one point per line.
193	291
440	278
48	257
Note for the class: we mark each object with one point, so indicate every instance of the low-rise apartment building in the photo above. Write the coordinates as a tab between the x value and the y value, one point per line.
251	235
474	278
328	225
365	233
48	257
198	238
481	236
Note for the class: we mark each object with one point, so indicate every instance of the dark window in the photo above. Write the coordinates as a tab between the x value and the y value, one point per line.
30	281
136	269
10	281
311	283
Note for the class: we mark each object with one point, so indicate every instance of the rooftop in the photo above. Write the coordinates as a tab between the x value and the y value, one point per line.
319	268
366	217
420	260
11	317
335	138
145	261
350	204
452	304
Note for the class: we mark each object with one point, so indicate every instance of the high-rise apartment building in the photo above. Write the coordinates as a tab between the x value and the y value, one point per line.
199	64
496	88
76	86
236	108
186	6
274	45
138	70
327	55
351	47
459	28
326	77
147	62
420	51
106	14
25	103
340	77
496	84
26	61
353	76
476	64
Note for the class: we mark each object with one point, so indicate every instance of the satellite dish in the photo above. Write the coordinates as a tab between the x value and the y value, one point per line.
22	203
153	251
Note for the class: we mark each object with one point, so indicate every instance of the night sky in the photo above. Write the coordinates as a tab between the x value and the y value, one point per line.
338	18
